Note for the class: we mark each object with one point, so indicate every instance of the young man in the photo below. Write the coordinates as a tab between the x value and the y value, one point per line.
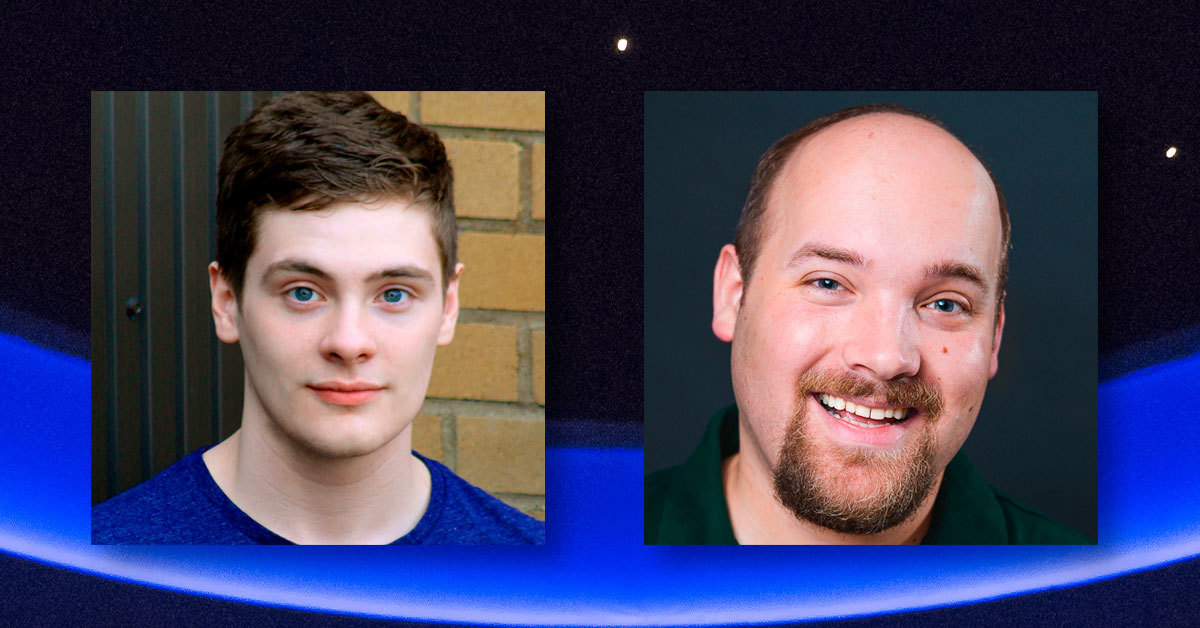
336	273
864	300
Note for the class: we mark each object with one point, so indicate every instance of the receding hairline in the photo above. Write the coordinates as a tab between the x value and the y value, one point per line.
793	155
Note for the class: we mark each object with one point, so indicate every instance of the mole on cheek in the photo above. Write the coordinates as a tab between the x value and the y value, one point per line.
943	349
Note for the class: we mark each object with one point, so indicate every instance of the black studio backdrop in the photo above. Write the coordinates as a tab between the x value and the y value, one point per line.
1036	436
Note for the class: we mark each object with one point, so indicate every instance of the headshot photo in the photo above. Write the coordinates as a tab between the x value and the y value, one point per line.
318	318
870	318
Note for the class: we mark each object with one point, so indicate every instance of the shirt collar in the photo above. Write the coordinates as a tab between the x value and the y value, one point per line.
698	508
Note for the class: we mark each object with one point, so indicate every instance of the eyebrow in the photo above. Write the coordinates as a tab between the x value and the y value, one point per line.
824	251
949	269
292	265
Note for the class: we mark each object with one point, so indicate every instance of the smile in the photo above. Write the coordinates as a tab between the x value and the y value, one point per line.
861	415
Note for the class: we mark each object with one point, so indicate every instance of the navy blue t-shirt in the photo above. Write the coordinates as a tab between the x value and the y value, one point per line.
184	506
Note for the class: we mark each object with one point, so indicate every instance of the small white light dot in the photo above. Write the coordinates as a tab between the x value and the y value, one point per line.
622	44
1171	152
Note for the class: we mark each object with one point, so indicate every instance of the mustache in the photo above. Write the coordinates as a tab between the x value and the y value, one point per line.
900	393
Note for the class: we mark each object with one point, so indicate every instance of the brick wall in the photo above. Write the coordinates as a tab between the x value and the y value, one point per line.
484	415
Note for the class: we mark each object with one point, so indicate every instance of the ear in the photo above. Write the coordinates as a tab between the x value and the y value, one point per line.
450	308
996	343
727	293
224	304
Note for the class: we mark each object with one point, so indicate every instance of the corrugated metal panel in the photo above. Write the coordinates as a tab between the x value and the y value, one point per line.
163	384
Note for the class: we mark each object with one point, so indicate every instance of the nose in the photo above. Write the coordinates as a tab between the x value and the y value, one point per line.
882	342
348	339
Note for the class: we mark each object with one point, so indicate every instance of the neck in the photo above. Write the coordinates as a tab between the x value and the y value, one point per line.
309	499
759	519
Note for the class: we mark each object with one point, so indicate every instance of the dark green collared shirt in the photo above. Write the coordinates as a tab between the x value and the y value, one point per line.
685	505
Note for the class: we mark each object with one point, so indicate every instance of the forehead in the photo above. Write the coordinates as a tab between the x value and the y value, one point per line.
348	240
899	186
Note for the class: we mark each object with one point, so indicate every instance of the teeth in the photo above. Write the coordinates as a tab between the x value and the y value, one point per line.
877	414
850	418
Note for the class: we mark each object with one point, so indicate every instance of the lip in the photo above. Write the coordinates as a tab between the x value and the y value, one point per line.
848	433
346	393
341	386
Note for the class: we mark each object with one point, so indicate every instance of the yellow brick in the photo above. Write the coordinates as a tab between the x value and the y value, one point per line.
539	366
537	511
486	178
427	435
539	181
396	101
535	508
498	110
503	271
481	363
503	455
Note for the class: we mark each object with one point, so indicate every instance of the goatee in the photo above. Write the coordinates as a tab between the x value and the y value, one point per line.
856	490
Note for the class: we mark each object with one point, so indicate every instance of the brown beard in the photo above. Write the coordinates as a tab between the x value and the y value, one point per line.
815	489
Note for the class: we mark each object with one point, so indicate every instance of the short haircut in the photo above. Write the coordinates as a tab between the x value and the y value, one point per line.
748	237
309	150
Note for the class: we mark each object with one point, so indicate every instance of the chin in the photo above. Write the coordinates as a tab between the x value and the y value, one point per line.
341	451
853	490
343	445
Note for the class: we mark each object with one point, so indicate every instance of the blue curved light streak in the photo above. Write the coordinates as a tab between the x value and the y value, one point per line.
594	569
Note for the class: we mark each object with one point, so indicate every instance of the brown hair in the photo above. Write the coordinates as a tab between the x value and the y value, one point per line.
309	150
748	236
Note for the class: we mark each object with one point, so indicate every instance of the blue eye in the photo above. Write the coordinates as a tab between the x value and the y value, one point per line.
827	284
302	294
395	295
947	306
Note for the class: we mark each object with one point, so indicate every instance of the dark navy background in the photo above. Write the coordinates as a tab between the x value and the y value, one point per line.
1140	60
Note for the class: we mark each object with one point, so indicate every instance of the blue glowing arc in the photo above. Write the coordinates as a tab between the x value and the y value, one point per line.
594	569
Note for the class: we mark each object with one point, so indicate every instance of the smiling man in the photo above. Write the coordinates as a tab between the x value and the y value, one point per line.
336	273
864	300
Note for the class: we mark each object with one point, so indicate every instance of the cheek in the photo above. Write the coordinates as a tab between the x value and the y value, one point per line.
272	345
961	373
413	358
411	347
788	337
960	355
977	357
774	343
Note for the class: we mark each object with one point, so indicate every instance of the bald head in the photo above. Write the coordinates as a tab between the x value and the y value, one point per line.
885	153
890	153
